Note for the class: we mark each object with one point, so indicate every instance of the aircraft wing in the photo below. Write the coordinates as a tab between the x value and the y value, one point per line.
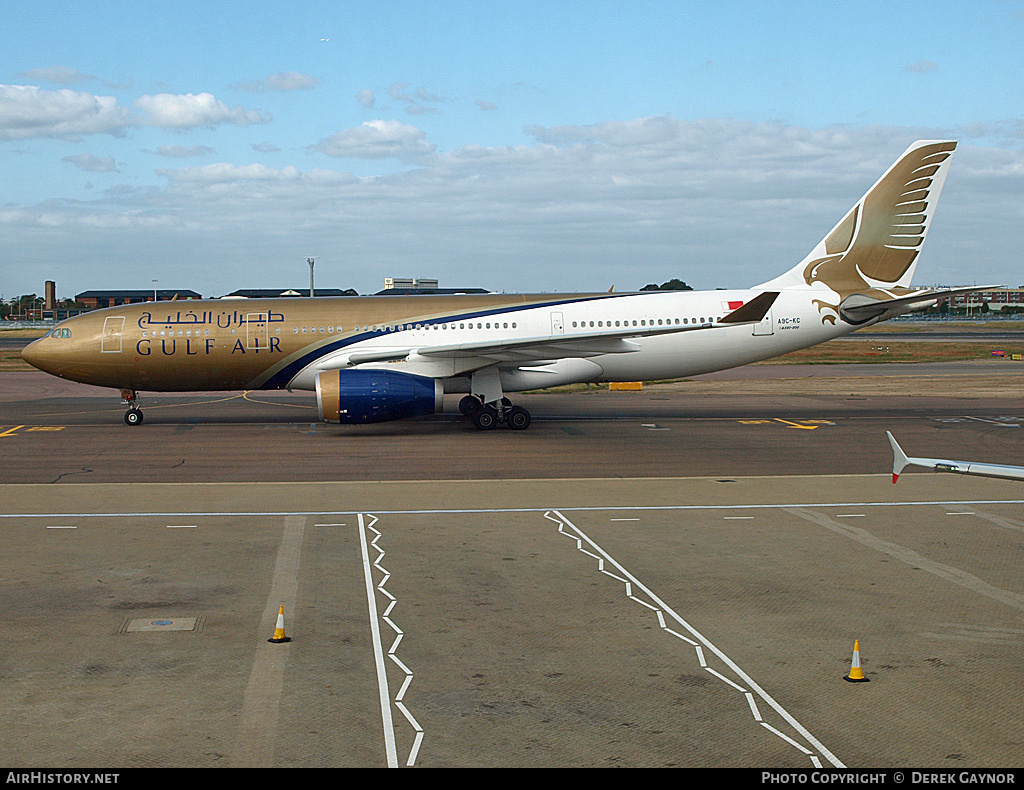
901	461
571	344
858	308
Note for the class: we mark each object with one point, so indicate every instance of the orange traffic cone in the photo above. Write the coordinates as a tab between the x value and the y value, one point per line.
856	673
279	631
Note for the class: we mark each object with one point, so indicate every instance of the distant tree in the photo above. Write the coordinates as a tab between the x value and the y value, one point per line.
672	285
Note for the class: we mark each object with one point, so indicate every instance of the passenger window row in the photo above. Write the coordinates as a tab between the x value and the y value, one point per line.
644	322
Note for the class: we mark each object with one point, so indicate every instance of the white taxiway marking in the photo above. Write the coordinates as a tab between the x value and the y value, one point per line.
457	511
399	633
661	609
993	422
378	650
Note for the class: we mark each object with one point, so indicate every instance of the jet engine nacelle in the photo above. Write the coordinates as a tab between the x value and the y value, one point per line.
353	397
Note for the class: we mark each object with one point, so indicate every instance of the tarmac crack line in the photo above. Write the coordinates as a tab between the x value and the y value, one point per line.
399	634
661	609
912	558
257	722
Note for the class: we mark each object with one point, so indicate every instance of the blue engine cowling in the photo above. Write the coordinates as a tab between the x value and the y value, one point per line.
353	397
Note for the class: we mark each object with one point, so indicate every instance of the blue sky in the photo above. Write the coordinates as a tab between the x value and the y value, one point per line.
534	146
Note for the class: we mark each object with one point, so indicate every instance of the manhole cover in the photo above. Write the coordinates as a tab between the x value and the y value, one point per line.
162	624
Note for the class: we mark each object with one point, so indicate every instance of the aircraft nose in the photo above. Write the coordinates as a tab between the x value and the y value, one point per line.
36	354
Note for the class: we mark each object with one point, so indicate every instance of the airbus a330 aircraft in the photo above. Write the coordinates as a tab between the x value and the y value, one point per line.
371	359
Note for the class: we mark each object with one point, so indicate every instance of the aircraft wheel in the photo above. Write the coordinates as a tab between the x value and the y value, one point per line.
518	418
470	405
486	418
133	416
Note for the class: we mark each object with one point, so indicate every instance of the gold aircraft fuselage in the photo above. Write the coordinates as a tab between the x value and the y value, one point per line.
244	344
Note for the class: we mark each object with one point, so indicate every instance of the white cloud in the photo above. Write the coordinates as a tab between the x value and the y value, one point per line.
222	172
265	148
376	140
282	81
28	111
366	98
398	92
92	164
184	151
416	103
715	202
58	75
486	106
190	110
921	66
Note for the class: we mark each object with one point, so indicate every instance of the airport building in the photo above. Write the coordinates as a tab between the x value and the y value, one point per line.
410	283
994	301
277	293
96	299
419	286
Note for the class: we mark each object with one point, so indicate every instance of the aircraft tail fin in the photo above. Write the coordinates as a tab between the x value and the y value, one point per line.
876	245
899	458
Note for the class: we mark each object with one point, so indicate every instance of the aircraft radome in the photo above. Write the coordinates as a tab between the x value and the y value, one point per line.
901	461
371	359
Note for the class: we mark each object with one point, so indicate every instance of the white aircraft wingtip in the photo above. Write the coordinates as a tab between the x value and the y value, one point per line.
899	458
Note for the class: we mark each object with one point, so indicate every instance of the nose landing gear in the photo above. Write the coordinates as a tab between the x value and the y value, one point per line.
130	398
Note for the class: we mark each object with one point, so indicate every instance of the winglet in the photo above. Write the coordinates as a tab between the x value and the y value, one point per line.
753	311
899	458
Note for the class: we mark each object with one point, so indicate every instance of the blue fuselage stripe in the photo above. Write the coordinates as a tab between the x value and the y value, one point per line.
283	377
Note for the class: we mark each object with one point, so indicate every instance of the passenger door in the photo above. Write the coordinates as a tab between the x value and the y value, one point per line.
113	330
766	326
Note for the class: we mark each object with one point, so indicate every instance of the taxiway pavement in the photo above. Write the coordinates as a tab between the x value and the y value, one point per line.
671	579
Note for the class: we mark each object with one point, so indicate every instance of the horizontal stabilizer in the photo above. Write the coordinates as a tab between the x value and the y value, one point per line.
859	308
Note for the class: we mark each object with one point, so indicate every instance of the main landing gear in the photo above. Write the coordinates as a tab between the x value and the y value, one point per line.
130	398
486	416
